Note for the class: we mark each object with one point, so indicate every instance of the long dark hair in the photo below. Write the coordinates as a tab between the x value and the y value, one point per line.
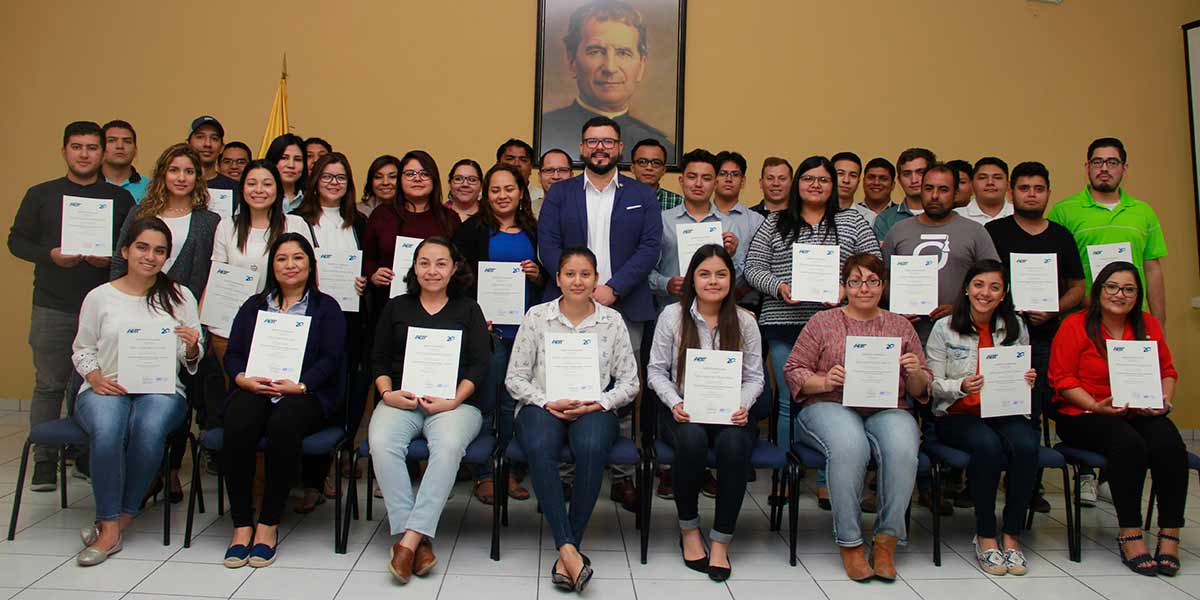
1136	319
960	319
460	281
310	209
791	218
275	152
369	187
439	210
276	222
164	294
728	329
524	217
271	287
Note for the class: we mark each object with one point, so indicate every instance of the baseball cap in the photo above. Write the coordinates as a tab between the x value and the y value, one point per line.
199	122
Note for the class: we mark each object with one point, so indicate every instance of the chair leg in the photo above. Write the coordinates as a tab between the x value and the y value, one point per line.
1150	506
353	454
505	468
194	492
166	492
339	536
774	501
936	503
498	471
645	499
1029	516
12	523
195	458
1067	500
1078	510
62	474
370	487
793	488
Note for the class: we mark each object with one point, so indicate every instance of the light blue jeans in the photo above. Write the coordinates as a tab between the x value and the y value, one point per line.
448	433
849	440
127	436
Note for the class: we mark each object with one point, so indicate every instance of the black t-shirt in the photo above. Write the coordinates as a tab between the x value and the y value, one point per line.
221	182
1008	237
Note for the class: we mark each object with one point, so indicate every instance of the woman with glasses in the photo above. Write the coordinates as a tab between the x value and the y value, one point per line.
1131	439
465	182
848	437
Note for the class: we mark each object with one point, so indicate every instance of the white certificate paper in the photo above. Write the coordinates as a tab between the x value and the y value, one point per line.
1004	390
221	202
689	237
1133	374
228	288
336	270
87	226
712	385
1100	255
914	284
147	361
402	261
502	292
277	349
431	362
572	366
815	270
1034	281
872	372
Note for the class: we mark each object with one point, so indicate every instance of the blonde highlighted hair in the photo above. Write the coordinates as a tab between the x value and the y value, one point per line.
157	195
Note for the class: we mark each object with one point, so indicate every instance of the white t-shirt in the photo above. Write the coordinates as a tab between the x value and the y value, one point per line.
179	232
331	234
254	257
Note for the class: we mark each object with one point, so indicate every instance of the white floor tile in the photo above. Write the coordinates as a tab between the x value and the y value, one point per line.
474	560
492	588
771	566
53	542
975	589
281	583
920	566
6	593
41	594
672	588
1133	586
663	566
597	589
607	565
115	575
747	589
212	580
20	571
1051	588
871	590
368	585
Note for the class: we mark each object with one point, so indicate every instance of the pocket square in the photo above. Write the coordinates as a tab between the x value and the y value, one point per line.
633	207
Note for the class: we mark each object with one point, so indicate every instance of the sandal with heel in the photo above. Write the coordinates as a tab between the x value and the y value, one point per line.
1168	564
1142	564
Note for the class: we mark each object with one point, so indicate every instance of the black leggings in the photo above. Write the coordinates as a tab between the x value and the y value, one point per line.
732	446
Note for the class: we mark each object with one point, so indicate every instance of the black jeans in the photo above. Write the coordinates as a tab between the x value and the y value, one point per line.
248	419
996	444
1132	445
732	446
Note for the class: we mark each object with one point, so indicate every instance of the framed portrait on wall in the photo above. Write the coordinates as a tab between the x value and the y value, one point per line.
617	58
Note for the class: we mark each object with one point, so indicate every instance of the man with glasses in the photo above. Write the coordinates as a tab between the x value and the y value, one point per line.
649	166
739	219
911	166
775	180
555	167
519	154
233	160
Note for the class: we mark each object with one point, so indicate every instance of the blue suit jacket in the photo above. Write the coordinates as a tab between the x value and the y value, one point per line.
635	236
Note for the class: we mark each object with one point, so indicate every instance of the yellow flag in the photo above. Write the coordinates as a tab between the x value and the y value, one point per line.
277	121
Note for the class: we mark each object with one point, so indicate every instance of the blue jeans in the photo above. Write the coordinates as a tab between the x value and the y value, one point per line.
127	436
849	440
779	341
590	437
448	433
507	405
995	444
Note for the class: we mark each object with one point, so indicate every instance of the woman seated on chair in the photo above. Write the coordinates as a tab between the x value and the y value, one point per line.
712	321
127	431
1131	439
589	427
281	410
849	435
436	299
983	317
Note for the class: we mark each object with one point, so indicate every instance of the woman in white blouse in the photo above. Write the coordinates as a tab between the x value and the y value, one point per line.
544	424
127	430
711	321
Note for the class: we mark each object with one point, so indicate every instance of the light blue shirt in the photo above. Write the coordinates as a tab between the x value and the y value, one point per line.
668	260
743	221
136	185
299	308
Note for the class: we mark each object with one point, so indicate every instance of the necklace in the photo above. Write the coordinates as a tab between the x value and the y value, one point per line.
177	211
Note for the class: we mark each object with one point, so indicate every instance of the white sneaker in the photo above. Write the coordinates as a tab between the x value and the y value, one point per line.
1103	492
1087	490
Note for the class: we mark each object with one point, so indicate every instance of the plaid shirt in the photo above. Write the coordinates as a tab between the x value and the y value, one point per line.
668	199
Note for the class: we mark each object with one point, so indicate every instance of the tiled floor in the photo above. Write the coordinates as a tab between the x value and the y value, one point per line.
40	562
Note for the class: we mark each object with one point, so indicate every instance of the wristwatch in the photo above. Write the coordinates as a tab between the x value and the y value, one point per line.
303	389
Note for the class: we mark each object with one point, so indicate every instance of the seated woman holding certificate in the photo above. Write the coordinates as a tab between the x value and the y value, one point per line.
849	418
568	396
278	408
1090	382
129	404
430	357
982	318
712	321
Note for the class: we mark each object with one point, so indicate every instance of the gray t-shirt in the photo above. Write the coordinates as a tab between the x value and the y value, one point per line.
958	241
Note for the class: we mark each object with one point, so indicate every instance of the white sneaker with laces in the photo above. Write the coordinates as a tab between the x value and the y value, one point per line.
1103	492
1087	490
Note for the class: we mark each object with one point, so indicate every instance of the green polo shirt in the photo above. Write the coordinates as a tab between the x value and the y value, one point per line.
1093	223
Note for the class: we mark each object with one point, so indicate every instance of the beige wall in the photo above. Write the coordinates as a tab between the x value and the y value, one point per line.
1019	79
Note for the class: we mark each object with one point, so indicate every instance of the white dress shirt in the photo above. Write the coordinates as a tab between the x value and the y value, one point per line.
599	215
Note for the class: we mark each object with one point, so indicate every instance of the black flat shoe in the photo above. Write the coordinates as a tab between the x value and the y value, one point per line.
585	574
699	565
719	574
559	580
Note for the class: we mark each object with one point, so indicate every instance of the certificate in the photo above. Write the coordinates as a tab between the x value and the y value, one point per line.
712	385
1133	374
1005	391
87	226
402	261
689	237
336	271
221	202
872	372
147	358
815	270
1100	255
914	285
277	349
1034	281
502	292
431	362
572	366
227	290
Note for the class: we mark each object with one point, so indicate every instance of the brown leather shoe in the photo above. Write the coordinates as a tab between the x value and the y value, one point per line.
623	491
401	564
854	560
883	556
424	560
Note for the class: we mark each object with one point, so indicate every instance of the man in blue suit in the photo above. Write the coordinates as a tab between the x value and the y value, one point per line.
618	218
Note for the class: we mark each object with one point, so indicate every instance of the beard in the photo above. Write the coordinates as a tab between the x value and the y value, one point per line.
598	168
1029	213
1106	187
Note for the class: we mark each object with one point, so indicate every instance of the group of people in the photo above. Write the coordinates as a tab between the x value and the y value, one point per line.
599	253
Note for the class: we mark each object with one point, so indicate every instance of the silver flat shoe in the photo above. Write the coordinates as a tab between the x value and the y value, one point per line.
92	555
88	535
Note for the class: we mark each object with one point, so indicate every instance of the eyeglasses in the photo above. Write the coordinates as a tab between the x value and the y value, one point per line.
857	283
606	143
235	161
1112	163
471	179
557	170
331	178
1113	289
810	179
649	162
734	174
412	175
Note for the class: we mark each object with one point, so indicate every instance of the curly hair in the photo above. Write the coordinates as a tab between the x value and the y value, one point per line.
157	195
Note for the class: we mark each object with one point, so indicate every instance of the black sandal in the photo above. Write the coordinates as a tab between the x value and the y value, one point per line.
1168	564
1137	564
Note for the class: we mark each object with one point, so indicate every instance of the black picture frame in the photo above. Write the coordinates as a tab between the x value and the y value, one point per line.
1187	65
557	125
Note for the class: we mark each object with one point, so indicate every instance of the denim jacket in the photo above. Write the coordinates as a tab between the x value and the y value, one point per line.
953	357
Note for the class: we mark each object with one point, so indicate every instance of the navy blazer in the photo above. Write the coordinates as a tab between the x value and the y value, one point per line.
635	237
321	370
